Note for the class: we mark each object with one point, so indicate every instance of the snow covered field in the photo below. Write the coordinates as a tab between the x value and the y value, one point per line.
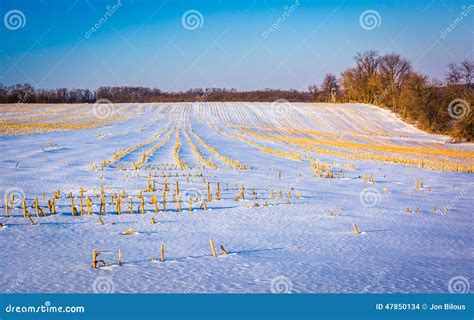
293	179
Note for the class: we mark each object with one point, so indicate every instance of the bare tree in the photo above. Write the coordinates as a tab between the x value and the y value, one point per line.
460	74
454	74
315	92
467	72
330	88
366	75
367	62
361	83
394	70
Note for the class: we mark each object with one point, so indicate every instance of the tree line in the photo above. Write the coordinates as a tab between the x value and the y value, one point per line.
25	93
387	80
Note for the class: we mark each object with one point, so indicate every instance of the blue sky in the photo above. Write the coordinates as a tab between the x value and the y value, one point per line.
144	42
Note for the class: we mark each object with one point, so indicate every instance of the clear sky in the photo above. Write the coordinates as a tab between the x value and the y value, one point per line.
245	44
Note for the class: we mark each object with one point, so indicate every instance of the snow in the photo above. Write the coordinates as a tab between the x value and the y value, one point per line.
300	242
